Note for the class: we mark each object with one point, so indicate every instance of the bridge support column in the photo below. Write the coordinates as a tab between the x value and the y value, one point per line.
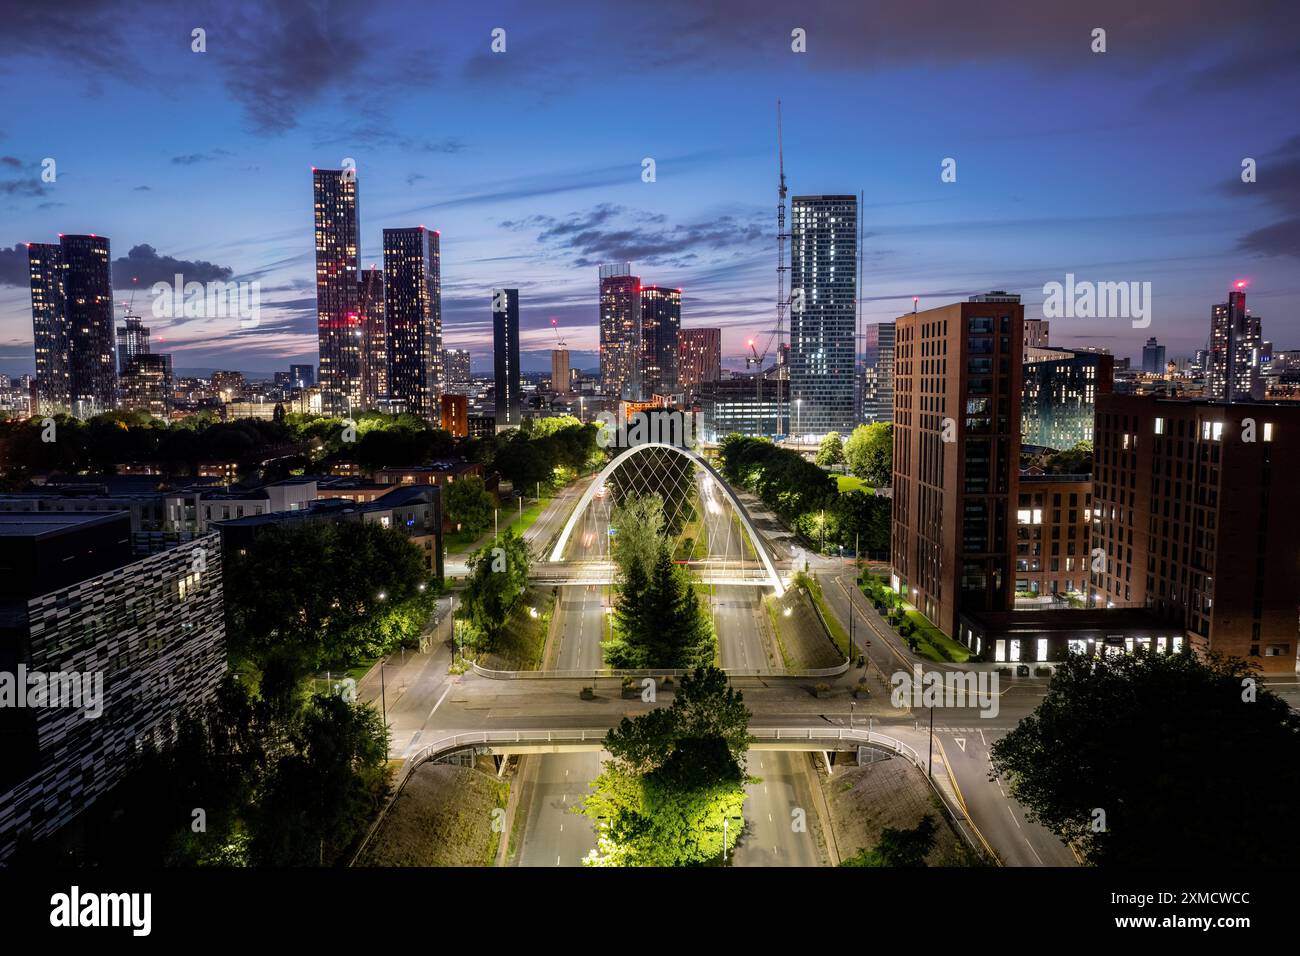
830	766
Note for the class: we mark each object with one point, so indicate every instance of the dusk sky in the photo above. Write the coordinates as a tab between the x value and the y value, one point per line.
1122	166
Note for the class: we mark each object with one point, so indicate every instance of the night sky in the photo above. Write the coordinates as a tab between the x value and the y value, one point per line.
1122	166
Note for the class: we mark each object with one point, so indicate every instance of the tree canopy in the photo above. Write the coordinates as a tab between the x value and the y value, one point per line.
869	453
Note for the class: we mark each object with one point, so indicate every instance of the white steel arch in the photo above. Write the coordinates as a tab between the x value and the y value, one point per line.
557	553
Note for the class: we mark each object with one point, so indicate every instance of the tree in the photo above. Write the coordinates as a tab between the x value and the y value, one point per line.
469	505
638	525
660	619
831	452
1127	758
901	848
869	453
675	775
498	575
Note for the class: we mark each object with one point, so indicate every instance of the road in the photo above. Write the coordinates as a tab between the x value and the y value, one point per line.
775	835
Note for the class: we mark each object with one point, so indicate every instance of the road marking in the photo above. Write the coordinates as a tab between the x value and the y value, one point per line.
1015	821
961	742
439	704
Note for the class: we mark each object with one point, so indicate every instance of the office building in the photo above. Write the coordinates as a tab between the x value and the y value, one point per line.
72	325
132	340
455	414
877	399
957	388
337	321
410	291
1059	396
745	405
823	313
620	332
374	338
661	323
1236	341
699	357
505	358
132	641
1153	357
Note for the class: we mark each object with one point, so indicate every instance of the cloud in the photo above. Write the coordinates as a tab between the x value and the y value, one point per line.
19	184
13	266
611	233
192	159
1278	188
144	263
142	189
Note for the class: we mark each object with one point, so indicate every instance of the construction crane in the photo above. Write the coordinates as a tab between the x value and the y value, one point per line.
755	359
559	342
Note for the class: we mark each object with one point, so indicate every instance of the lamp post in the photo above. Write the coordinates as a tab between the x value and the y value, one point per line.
383	694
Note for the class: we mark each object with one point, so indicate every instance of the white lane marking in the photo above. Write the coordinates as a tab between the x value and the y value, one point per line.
1014	820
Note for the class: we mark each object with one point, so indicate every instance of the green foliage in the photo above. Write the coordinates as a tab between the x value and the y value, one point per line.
1176	751
788	483
498	575
311	594
831	451
469	505
907	848
674	776
638	524
527	458
869	453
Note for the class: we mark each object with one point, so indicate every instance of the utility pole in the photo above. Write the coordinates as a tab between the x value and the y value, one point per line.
929	770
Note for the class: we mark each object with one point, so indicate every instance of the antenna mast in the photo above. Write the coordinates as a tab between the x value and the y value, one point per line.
781	268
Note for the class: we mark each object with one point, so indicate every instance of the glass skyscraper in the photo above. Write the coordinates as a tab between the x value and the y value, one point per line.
823	313
339	335
505	357
661	323
620	332
411	289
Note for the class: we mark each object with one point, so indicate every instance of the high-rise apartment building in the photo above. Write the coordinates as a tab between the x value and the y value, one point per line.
699	357
338	323
620	332
561	375
455	364
146	385
957	385
1059	395
1193	519
505	357
661	323
410	270
823	313
374	338
72	325
1036	331
132	340
302	376
877	372
1236	341
455	414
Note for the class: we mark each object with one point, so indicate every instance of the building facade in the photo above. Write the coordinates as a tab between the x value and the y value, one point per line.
146	385
505	358
699	357
1059	396
1153	357
72	325
339	336
661	323
620	332
1192	519
823	313
957	386
1053	536
455	414
374	338
78	605
877	401
744	404
456	367
1236	340
410	293
561	375
132	340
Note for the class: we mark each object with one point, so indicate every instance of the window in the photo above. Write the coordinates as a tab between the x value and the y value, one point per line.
1160	426
1268	431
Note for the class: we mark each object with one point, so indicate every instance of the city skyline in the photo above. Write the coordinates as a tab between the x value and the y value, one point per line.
1092	198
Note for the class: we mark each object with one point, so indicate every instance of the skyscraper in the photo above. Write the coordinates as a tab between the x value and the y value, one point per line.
699	357
823	313
302	376
661	323
410	263
339	336
878	372
505	357
72	325
620	332
1153	357
1058	397
957	385
561	376
456	370
132	340
374	338
1235	343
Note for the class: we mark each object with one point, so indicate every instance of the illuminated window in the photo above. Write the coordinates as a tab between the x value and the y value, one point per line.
1268	431
1160	426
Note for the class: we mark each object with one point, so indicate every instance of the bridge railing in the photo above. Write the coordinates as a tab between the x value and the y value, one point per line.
606	672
